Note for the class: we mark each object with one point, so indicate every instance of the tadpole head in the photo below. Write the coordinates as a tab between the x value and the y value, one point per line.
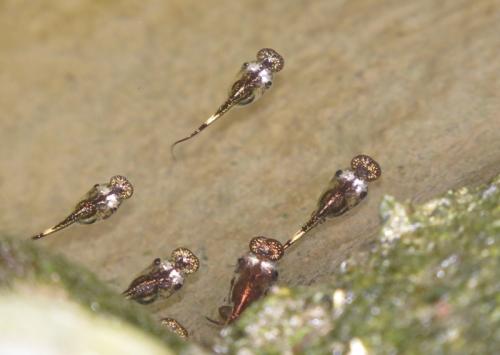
366	167
126	190
175	327
267	248
185	260
271	59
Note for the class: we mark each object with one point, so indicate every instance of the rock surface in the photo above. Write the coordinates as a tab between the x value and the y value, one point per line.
90	89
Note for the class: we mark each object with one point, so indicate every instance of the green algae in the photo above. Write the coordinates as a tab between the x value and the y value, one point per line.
25	268
429	284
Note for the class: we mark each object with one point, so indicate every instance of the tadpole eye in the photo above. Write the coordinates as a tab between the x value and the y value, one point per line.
123	185
157	261
245	65
338	173
267	248
268	84
271	59
177	287
185	260
274	274
366	167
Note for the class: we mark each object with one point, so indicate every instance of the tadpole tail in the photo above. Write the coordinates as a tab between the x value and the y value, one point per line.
226	106
198	130
72	218
84	211
313	222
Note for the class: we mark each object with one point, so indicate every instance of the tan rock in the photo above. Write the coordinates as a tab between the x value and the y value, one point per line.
89	89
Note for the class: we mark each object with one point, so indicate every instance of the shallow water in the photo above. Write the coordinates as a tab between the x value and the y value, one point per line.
89	90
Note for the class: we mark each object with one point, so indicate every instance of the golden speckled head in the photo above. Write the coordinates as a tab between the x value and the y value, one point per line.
270	58
125	187
267	248
185	260
365	167
175	327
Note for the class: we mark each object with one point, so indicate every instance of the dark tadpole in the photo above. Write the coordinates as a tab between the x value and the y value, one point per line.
347	188
256	272
253	80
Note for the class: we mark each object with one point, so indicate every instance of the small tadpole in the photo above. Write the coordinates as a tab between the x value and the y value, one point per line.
347	188
175	327
253	80
256	272
99	203
163	277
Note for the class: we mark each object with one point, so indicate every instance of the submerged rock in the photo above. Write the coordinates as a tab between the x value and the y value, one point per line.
429	285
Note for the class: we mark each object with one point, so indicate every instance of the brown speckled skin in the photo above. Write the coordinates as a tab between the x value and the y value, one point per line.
243	91
155	280
158	279
337	199
252	283
253	277
340	195
98	202
175	327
